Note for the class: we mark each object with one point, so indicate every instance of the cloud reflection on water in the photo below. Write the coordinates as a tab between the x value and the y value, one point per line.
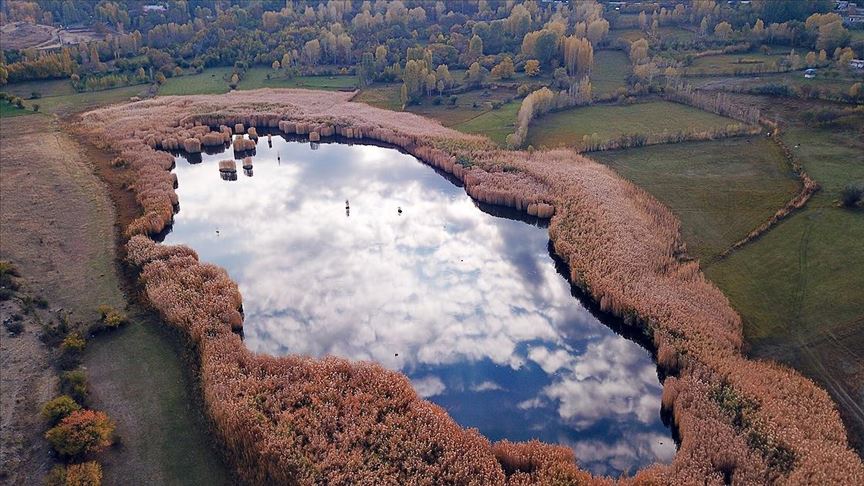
468	305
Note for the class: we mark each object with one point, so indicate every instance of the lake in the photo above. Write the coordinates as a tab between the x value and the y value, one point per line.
364	252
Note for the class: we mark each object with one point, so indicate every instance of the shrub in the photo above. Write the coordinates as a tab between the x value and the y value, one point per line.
74	383
82	432
13	324
84	474
851	195
73	343
59	408
111	317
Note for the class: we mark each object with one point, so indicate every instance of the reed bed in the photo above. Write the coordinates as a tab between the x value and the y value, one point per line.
299	420
243	144
228	166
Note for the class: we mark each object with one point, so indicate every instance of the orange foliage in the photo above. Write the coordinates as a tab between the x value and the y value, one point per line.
81	432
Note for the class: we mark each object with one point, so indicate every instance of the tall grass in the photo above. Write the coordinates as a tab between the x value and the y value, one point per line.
294	419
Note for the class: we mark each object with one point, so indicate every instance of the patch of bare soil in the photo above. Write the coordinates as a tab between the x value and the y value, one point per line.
23	35
27	381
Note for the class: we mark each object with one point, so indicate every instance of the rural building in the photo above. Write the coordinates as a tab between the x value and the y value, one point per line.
850	11
810	73
856	64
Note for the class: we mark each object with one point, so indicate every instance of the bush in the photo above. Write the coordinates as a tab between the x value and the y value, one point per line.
111	317
82	432
73	343
13	323
84	474
59	408
851	195
453	100
74	383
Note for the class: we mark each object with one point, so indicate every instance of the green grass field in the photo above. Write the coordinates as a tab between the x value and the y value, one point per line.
566	128
800	288
9	110
720	190
48	87
256	77
610	71
77	102
495	124
211	81
730	63
472	112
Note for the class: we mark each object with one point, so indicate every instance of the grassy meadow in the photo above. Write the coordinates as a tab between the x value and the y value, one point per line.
567	127
8	110
720	189
610	72
729	63
210	81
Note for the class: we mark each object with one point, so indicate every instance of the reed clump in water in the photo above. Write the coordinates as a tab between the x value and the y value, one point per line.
247	163
752	421
243	144
192	145
253	133
227	166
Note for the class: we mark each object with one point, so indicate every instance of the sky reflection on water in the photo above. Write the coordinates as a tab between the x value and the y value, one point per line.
468	305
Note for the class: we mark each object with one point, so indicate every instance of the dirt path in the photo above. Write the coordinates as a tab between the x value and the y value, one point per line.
57	224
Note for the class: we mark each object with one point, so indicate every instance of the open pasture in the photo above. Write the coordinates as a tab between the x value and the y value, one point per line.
567	127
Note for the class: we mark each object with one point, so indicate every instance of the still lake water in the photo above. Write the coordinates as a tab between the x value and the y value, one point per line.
464	301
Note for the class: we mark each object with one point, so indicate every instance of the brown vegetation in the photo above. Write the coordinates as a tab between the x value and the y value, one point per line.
331	420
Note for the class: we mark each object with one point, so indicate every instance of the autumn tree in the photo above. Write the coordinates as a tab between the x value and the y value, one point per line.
578	55
504	69
475	50
723	30
638	51
475	75
597	31
541	45
81	432
532	67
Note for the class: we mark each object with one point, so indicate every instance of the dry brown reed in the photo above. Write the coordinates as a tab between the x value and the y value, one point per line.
192	145
292	419
243	144
253	133
228	166
247	162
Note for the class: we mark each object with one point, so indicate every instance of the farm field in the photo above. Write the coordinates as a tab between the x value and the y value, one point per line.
211	81
567	127
495	124
720	190
7	110
611	68
798	288
730	63
472	112
256	77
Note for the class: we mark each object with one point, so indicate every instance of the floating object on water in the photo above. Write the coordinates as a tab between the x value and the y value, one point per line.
399	210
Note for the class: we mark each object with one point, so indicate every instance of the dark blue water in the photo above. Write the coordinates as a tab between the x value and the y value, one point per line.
467	304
